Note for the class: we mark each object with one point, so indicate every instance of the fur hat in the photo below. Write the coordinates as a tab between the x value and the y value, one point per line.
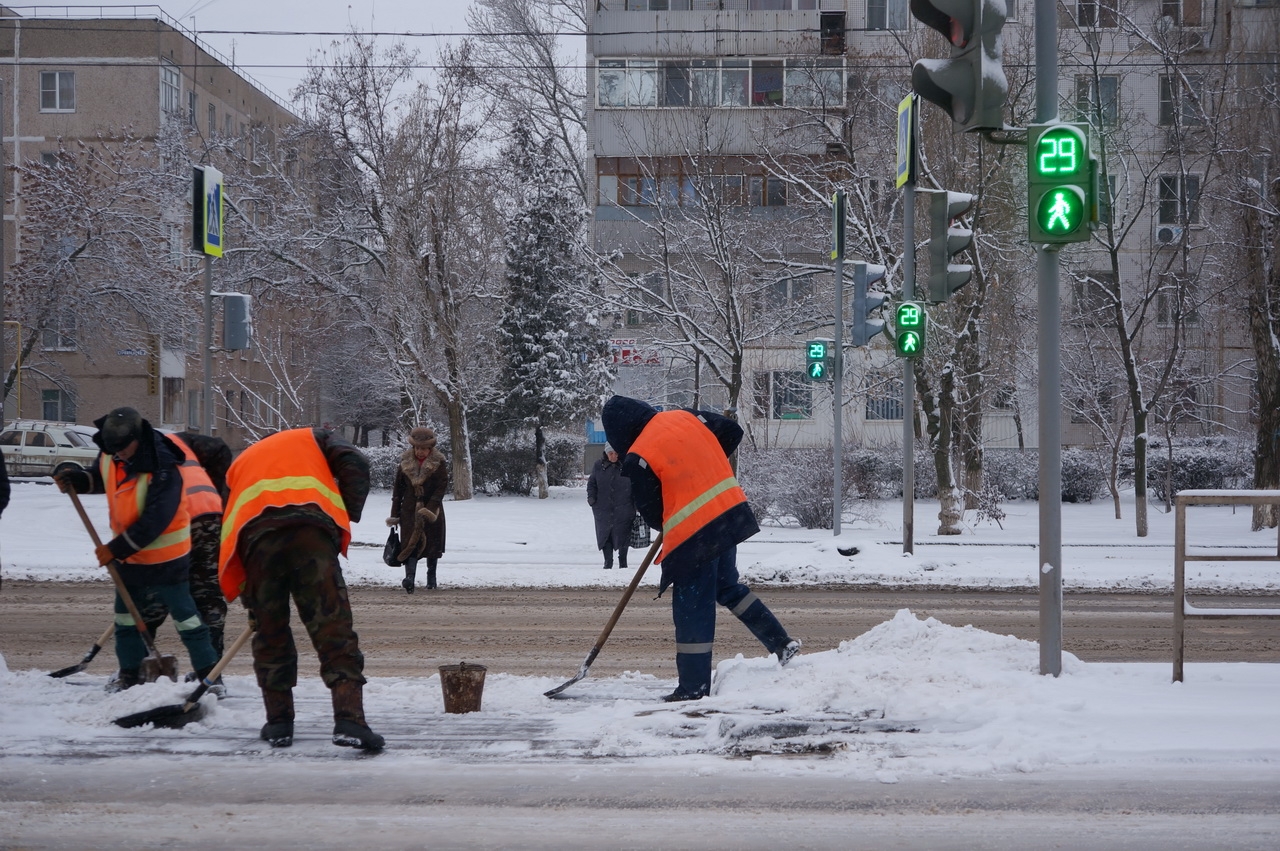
422	438
118	429
607	448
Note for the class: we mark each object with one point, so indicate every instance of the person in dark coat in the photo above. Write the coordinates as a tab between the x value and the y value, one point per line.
681	481
4	495
609	495
417	505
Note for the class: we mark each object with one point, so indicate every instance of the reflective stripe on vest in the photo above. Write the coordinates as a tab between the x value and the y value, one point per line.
698	484
202	497
127	499
287	468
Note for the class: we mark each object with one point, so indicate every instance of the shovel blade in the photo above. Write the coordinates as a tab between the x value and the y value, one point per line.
174	715
155	666
69	670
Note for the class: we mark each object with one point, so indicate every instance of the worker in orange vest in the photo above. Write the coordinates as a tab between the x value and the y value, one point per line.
292	497
681	481
138	470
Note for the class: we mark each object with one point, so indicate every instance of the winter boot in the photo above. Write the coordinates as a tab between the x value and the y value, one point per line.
788	652
410	573
125	678
278	731
349	727
431	574
694	672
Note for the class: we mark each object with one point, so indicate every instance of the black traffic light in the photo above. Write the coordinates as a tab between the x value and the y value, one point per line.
1061	178
910	322
946	241
970	85
863	329
821	355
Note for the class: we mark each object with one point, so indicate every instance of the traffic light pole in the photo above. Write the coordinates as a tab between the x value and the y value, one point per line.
837	393
908	380
1050	363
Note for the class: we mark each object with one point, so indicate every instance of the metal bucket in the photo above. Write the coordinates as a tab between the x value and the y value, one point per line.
462	685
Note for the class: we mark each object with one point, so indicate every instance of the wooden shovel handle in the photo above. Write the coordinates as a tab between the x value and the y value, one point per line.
115	576
626	596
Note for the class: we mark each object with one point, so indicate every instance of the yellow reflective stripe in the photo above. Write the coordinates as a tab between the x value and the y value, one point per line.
169	539
124	619
284	483
701	500
190	623
202	489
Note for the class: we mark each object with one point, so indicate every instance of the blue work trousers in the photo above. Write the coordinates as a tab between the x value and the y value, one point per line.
693	609
131	650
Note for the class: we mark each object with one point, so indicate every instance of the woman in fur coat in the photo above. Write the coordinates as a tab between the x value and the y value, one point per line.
417	505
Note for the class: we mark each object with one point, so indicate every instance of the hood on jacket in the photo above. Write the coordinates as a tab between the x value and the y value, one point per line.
623	419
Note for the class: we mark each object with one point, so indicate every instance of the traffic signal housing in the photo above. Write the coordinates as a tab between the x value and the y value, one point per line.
910	323
946	241
865	274
970	85
821	360
1061	195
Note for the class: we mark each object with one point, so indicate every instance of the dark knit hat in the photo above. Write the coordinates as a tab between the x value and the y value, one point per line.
118	429
422	438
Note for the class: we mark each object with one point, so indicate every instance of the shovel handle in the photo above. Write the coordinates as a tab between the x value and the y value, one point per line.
115	576
626	596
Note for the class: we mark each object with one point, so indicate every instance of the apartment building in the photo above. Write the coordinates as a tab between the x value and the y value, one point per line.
69	84
689	94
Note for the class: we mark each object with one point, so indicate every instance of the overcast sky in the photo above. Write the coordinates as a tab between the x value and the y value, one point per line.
261	33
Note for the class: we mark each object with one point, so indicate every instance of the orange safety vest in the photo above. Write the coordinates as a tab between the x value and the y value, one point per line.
698	484
287	468
202	497
126	499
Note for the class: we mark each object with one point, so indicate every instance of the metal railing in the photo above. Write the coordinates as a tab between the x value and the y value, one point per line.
1182	607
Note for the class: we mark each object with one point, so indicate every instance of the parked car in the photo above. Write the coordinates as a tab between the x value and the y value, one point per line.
41	448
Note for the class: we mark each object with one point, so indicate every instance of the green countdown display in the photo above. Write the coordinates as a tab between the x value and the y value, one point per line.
910	322
820	360
1060	178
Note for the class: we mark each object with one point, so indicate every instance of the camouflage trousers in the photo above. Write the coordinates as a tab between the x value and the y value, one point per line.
299	563
206	534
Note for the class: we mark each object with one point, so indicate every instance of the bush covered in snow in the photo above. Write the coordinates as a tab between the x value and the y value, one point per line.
506	465
1197	463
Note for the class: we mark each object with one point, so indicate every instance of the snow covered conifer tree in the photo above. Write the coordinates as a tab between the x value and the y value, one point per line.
555	355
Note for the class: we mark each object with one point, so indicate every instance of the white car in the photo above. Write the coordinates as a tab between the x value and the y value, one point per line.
41	448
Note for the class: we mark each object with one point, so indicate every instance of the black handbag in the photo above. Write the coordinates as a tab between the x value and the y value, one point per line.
639	532
391	552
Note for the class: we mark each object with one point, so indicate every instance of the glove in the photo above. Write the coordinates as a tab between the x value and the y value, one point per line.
73	480
104	554
393	521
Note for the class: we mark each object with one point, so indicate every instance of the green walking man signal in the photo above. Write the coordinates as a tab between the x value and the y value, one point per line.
821	360
1061	173
910	321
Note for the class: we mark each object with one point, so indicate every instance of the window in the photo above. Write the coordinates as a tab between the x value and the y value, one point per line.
1006	398
227	124
766	83
1099	408
1181	12
170	89
1179	199
174	400
1182	401
1097	100
59	334
1106	199
726	82
792	396
57	91
193	410
642	82
1181	100
653	290
1173	298
191	108
57	405
1097	13
884	400
1091	294
816	83
213	120
735	77
49	159
886	14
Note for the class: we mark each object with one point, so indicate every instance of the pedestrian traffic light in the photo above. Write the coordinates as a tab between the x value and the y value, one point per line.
822	360
863	328
970	85
1060	184
945	241
910	322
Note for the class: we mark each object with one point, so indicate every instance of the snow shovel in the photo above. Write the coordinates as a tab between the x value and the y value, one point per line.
181	714
88	657
617	613
154	666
